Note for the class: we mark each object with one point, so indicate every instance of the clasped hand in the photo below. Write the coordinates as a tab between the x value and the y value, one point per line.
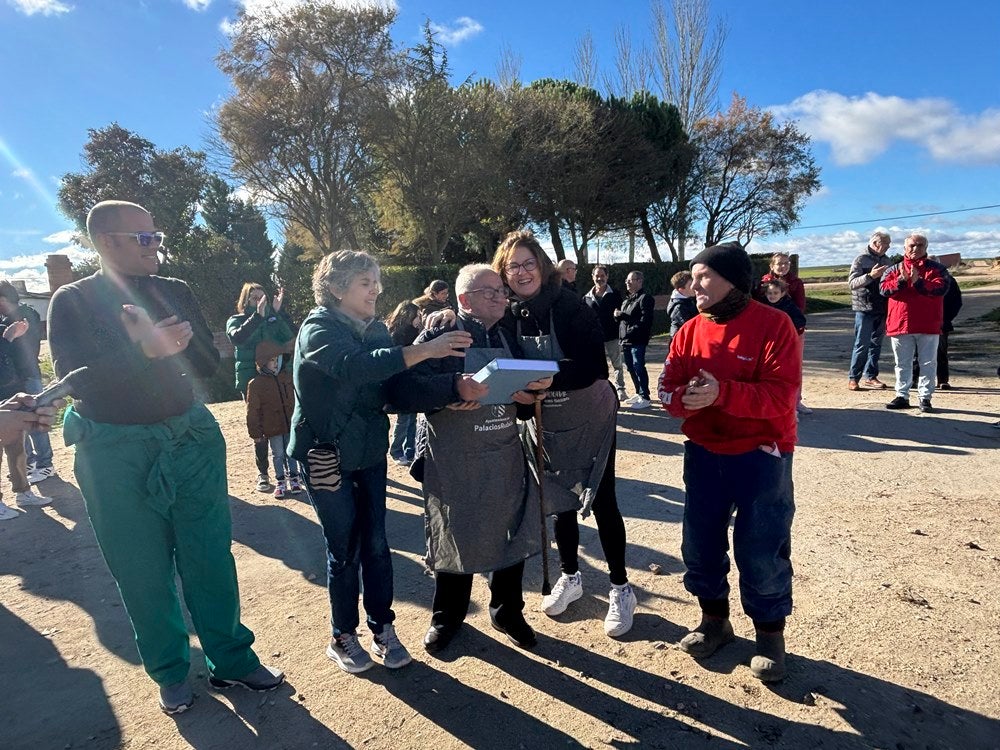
701	391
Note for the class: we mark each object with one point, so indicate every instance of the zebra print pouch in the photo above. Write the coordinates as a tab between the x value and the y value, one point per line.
324	468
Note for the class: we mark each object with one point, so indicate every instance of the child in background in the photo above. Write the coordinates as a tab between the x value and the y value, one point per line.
404	323
270	399
682	306
781	270
776	293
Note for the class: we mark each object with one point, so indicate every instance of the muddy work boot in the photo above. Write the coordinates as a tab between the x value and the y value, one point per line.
711	634
768	664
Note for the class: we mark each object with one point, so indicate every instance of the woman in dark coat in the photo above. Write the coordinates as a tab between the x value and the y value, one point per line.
579	420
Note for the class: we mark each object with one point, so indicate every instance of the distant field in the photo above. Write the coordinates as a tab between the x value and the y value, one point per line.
824	273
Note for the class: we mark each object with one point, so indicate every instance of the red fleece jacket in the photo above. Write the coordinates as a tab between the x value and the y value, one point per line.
757	361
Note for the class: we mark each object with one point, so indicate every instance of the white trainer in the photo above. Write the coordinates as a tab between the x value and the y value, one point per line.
6	512
28	497
621	610
566	591
640	403
40	475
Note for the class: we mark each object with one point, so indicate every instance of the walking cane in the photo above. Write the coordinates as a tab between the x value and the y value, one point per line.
540	464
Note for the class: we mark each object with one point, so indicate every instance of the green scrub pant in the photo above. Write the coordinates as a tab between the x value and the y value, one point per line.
158	500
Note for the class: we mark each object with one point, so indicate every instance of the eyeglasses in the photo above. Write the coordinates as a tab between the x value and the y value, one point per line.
528	266
145	239
490	293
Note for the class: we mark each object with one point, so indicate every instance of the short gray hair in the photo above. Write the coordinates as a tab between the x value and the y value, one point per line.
467	274
877	235
338	270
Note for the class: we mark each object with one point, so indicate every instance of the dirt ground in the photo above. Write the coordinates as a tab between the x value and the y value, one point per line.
894	642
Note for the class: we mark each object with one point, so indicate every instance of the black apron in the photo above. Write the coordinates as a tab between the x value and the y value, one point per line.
578	430
480	500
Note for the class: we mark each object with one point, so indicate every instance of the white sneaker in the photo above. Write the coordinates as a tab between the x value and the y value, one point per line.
39	475
630	400
640	403
6	512
566	591
621	609
347	653
30	498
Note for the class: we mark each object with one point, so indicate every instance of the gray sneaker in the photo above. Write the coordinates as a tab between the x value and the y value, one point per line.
261	680
387	647
347	653
176	698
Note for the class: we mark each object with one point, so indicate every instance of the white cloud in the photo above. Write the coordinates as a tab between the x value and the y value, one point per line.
37	261
45	7
198	5
22	173
861	128
463	28
61	237
227	27
978	237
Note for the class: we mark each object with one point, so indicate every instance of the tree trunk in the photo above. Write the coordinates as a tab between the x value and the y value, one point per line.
647	232
557	244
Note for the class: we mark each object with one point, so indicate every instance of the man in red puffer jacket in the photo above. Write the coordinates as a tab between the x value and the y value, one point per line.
915	287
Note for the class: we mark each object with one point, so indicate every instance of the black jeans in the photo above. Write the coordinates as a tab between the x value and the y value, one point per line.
610	529
452	592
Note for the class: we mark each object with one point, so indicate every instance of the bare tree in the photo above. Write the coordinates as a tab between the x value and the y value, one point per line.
585	61
688	62
633	67
508	68
688	55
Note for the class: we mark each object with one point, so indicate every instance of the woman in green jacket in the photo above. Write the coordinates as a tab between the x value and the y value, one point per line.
256	321
340	433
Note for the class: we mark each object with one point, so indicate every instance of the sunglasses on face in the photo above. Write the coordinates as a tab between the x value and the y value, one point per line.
145	239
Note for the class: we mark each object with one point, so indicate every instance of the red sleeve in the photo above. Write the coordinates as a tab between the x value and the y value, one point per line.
933	283
892	281
675	376
797	291
780	377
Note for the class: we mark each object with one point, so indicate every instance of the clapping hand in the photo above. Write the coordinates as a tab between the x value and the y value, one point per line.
164	339
701	391
16	329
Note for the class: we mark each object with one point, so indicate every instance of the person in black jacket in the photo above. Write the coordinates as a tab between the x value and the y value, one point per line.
952	304
636	320
604	300
682	306
579	420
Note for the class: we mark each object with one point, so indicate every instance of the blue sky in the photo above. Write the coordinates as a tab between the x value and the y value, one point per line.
902	99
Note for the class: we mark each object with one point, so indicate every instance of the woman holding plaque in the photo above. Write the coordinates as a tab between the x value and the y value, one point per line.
579	420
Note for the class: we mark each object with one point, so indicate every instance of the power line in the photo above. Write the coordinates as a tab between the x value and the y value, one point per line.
896	218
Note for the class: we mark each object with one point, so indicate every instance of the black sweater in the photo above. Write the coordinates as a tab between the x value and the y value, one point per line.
123	385
576	327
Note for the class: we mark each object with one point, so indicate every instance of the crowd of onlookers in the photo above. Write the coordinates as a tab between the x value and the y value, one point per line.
495	468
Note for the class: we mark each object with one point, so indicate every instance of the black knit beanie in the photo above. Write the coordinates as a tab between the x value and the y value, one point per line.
730	261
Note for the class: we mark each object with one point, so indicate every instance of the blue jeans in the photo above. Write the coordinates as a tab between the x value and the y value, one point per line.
869	328
353	521
404	437
280	459
36	444
924	346
635	360
758	487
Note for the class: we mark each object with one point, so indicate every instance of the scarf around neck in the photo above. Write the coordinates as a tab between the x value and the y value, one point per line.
728	307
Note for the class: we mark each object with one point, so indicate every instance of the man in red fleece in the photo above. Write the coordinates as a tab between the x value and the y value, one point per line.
915	287
733	375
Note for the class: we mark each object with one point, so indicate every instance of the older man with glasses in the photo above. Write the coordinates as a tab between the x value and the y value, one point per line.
481	502
150	459
869	312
